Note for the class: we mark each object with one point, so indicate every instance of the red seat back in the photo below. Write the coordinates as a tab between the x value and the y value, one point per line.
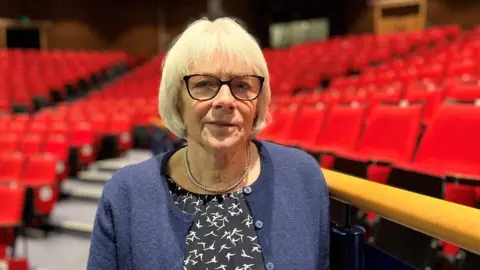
9	143
57	145
40	170
60	128
391	132
308	124
12	198
11	166
461	194
82	134
343	127
31	144
120	123
451	140
466	91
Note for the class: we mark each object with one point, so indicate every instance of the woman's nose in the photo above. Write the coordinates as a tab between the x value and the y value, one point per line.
224	98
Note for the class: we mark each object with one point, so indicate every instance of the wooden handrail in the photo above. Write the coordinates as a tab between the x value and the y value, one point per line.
444	220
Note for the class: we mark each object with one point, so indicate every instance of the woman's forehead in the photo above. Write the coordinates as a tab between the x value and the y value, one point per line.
222	68
225	63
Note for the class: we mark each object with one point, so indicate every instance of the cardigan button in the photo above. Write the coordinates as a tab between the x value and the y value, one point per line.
258	224
270	266
247	190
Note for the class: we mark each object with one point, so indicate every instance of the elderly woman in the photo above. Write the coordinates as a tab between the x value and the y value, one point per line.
225	200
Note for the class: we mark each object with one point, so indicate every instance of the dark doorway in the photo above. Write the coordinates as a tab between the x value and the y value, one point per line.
23	38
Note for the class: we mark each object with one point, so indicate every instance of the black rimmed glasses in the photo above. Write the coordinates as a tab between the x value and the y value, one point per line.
205	87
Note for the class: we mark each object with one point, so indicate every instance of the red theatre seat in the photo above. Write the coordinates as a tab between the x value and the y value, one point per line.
83	137
40	174
341	132
58	146
11	167
449	145
31	144
12	198
390	136
307	126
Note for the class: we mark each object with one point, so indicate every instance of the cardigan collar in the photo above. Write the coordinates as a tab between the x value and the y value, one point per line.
265	179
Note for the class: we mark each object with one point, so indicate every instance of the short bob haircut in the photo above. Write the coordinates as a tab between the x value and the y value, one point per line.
202	41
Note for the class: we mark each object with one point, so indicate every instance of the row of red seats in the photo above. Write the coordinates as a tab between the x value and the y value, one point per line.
37	171
390	136
419	91
29	74
303	66
141	82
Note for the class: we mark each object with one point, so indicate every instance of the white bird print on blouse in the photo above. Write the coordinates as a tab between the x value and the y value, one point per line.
213	260
247	266
227	234
244	254
196	254
223	247
211	233
192	236
230	255
257	249
212	247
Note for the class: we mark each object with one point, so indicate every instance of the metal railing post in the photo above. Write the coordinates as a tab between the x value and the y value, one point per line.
347	245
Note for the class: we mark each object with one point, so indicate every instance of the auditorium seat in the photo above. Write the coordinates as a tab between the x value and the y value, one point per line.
11	166
449	145
307	126
83	138
9	143
38	127
429	94
283	119
60	128
463	91
40	174
390	136
17	128
343	127
58	146
12	198
31	144
4	122
121	126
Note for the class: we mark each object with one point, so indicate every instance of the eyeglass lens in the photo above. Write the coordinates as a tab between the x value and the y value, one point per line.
205	87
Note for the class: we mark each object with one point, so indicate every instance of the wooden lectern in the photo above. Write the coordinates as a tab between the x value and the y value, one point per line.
393	16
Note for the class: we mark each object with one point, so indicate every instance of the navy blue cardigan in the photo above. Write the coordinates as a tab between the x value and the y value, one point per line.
138	226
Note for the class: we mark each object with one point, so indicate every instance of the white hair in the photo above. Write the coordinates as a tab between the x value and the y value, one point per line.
203	42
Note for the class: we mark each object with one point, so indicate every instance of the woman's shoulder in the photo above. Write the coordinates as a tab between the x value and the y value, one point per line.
294	164
280	154
134	179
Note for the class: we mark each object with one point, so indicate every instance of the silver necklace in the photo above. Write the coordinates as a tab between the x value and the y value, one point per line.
212	190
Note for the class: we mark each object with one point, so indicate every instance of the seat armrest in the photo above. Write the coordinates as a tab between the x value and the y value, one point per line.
379	161
463	179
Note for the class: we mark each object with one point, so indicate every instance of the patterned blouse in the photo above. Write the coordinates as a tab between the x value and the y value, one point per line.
223	234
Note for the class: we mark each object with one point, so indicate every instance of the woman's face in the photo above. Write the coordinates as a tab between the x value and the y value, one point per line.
223	121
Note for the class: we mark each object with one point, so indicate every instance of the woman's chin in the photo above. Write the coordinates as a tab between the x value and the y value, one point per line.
222	142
